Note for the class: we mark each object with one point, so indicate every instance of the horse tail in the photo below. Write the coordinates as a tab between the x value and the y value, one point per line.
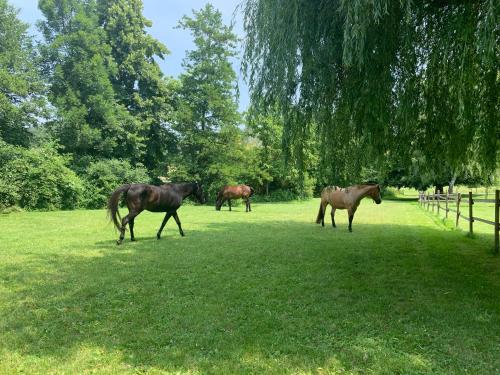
113	205
321	214
251	191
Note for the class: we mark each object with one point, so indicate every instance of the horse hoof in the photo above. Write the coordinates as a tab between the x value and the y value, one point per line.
133	239
157	237
118	242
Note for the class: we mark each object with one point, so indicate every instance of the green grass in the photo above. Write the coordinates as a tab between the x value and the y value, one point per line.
268	292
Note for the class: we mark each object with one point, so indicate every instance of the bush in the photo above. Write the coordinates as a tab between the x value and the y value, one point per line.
37	178
104	176
9	197
280	195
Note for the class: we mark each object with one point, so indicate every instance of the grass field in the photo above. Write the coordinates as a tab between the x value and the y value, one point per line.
262	292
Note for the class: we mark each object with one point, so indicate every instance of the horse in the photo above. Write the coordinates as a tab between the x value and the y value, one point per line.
229	192
348	198
139	197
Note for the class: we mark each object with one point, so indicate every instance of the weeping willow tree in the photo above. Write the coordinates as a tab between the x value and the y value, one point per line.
375	78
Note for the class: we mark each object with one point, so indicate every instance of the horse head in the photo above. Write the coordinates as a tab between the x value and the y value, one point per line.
375	194
198	192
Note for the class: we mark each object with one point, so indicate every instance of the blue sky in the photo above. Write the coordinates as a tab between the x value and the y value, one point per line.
165	15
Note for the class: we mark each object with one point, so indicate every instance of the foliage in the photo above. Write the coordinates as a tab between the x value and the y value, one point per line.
211	145
399	76
139	83
104	176
272	170
104	82
37	178
21	88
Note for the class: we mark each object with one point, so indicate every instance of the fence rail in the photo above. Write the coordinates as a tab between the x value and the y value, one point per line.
428	201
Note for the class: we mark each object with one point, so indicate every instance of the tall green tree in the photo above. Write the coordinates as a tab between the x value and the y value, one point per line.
111	98
207	116
139	83
381	76
90	121
21	87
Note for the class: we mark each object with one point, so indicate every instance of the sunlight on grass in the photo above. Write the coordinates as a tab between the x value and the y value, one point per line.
261	292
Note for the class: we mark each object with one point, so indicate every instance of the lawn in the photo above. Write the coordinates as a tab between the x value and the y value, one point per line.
262	292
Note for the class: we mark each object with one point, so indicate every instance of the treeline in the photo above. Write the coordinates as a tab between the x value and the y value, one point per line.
401	93
89	108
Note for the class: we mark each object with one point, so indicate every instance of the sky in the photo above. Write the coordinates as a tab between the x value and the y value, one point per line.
165	15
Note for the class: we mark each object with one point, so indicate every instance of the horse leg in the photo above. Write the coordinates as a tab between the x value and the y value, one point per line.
333	217
351	216
165	219
323	210
176	218
249	205
246	205
131	226
229	204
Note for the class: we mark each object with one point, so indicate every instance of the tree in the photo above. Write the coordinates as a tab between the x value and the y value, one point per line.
90	122
207	116
111	98
271	172
21	88
388	76
139	83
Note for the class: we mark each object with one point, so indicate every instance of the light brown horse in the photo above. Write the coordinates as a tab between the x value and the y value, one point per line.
346	199
229	192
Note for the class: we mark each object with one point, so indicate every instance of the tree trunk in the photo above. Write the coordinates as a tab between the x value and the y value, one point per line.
451	185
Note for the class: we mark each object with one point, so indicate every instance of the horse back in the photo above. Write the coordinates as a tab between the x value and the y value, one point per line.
334	196
235	191
153	198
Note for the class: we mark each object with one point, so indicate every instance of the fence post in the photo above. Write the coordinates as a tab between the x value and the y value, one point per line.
433	199
438	199
447	196
427	201
459	198
471	220
497	223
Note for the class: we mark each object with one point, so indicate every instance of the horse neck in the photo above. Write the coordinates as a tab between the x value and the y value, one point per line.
189	191
185	189
361	192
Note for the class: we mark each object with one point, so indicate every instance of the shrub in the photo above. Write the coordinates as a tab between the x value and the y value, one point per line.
37	178
279	195
104	176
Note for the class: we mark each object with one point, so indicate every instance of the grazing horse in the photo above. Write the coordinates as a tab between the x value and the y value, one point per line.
139	197
229	192
348	198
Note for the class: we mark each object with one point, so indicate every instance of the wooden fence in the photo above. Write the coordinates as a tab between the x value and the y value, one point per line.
444	202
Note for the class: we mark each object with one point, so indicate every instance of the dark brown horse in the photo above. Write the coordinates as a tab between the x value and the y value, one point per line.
348	198
229	192
139	197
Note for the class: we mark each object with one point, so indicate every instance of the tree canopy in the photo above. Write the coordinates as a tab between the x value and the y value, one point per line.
108	90
416	79
21	87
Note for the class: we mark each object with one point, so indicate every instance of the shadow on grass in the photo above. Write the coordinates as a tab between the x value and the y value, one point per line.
265	298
